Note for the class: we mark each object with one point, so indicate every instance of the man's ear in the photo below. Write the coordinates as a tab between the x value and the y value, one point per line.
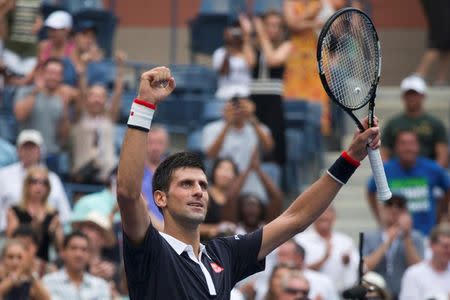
160	198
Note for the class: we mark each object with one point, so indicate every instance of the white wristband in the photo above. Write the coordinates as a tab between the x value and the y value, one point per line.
141	115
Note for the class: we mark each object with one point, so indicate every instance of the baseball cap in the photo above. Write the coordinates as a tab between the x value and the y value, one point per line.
413	83
59	20
29	136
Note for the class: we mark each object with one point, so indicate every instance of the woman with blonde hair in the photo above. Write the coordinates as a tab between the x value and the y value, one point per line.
35	211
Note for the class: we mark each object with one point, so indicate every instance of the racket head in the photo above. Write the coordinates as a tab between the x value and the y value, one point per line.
349	58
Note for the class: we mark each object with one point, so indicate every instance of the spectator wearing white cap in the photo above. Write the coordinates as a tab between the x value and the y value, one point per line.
430	131
58	44
29	149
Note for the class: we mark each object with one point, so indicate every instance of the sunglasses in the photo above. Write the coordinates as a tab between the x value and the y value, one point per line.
38	181
396	204
294	291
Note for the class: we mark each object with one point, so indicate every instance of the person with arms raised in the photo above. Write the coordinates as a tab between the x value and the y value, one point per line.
173	264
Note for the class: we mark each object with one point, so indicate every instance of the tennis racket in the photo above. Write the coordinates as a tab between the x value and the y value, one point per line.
349	59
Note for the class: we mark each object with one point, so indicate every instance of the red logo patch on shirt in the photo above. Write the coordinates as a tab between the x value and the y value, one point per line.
216	267
132	113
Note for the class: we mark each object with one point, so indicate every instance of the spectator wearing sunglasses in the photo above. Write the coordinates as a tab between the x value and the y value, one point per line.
295	286
35	211
30	151
395	246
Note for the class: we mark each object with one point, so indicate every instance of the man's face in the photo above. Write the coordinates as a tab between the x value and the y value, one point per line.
94	234
14	258
187	198
407	147
53	75
390	213
157	144
85	39
29	154
96	99
295	289
324	224
441	249
276	283
413	101
76	255
288	255
274	27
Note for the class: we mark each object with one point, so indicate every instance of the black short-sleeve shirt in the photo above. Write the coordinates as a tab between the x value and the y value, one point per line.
155	271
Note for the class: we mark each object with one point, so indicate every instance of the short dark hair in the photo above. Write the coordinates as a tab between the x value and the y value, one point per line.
53	60
272	12
72	235
298	248
438	231
217	163
163	173
246	196
403	131
26	231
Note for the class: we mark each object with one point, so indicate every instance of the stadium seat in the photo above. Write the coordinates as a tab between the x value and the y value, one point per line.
105	22
120	130
8	127
76	6
102	72
262	6
206	33
226	7
194	142
212	111
273	170
7	100
73	189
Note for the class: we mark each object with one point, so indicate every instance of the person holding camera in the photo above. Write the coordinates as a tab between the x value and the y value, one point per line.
234	60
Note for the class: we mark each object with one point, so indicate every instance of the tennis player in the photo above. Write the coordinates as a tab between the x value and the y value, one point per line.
173	264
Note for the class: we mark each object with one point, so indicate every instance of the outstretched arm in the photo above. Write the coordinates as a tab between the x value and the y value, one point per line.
133	208
311	204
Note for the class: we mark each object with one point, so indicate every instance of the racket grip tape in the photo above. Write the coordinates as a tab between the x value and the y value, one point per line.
383	191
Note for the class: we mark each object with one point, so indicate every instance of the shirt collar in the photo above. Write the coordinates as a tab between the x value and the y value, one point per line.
66	278
181	247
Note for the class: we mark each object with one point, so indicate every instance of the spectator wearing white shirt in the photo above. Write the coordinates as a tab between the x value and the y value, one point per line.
233	61
236	136
292	254
330	252
430	279
29	144
72	281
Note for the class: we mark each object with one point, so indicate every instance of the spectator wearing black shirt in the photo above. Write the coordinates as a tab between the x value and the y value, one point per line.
173	264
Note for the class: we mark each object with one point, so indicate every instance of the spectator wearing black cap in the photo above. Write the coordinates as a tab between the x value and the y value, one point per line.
392	248
430	131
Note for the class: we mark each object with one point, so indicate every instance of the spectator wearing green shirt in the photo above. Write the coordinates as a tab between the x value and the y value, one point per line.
430	131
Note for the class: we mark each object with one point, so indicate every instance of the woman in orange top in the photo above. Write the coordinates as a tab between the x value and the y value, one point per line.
301	78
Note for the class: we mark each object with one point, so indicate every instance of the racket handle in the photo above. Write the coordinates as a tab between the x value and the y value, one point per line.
383	191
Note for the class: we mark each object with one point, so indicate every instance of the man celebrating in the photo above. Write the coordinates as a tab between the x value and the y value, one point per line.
173	264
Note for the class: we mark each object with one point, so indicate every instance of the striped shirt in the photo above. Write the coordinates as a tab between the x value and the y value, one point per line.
61	288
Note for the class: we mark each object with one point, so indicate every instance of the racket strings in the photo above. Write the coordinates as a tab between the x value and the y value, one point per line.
350	59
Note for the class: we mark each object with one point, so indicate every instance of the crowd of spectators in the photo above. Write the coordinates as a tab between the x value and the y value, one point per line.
60	247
